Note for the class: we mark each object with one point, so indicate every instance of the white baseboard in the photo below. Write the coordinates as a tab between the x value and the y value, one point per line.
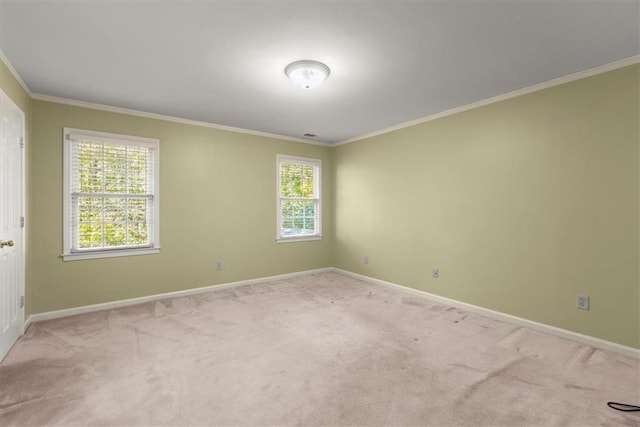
133	301
541	327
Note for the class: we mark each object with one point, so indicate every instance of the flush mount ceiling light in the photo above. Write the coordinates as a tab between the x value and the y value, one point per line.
307	74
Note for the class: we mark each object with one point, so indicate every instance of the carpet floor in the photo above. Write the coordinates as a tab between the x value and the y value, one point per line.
323	349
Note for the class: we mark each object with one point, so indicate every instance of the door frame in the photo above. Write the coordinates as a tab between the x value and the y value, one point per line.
7	101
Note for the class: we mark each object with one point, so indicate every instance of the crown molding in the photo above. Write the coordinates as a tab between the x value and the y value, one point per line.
492	100
14	73
108	108
119	110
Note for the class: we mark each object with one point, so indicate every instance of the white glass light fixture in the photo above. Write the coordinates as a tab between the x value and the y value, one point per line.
307	74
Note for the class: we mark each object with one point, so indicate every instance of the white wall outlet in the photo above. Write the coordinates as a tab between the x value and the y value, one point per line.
218	265
365	259
582	302
435	273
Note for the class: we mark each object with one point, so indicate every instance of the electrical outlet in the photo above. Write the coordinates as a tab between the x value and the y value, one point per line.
218	265
582	302
365	259
435	273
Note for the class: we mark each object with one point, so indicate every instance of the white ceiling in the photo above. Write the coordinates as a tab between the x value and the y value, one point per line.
391	62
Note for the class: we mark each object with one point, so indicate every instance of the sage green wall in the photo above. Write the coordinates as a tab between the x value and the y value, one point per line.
16	92
521	204
217	201
12	87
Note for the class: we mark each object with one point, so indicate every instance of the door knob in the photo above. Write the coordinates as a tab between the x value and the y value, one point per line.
4	243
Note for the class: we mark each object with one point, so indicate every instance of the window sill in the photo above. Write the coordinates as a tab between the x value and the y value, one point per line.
109	254
297	239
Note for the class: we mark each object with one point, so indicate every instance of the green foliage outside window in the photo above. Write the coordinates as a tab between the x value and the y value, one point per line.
298	217
112	200
296	180
296	184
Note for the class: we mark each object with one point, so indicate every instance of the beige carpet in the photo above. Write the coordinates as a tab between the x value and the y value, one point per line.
325	349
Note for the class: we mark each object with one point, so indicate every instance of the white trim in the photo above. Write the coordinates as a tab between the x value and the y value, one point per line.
299	239
111	138
540	327
177	294
317	178
526	90
14	73
297	160
6	99
70	135
119	110
113	253
502	97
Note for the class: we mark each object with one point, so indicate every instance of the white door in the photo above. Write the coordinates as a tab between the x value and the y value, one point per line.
11	223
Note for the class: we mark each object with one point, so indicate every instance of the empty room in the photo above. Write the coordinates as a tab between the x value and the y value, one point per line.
356	213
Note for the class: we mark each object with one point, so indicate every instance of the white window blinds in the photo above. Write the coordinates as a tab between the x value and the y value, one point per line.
111	192
299	214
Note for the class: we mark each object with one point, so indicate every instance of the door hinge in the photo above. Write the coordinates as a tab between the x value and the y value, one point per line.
22	301
21	142
21	222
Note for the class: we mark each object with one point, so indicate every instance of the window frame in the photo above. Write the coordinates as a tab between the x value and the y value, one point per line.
317	165
71	254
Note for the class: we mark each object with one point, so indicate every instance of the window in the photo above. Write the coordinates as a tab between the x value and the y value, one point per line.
110	195
298	199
